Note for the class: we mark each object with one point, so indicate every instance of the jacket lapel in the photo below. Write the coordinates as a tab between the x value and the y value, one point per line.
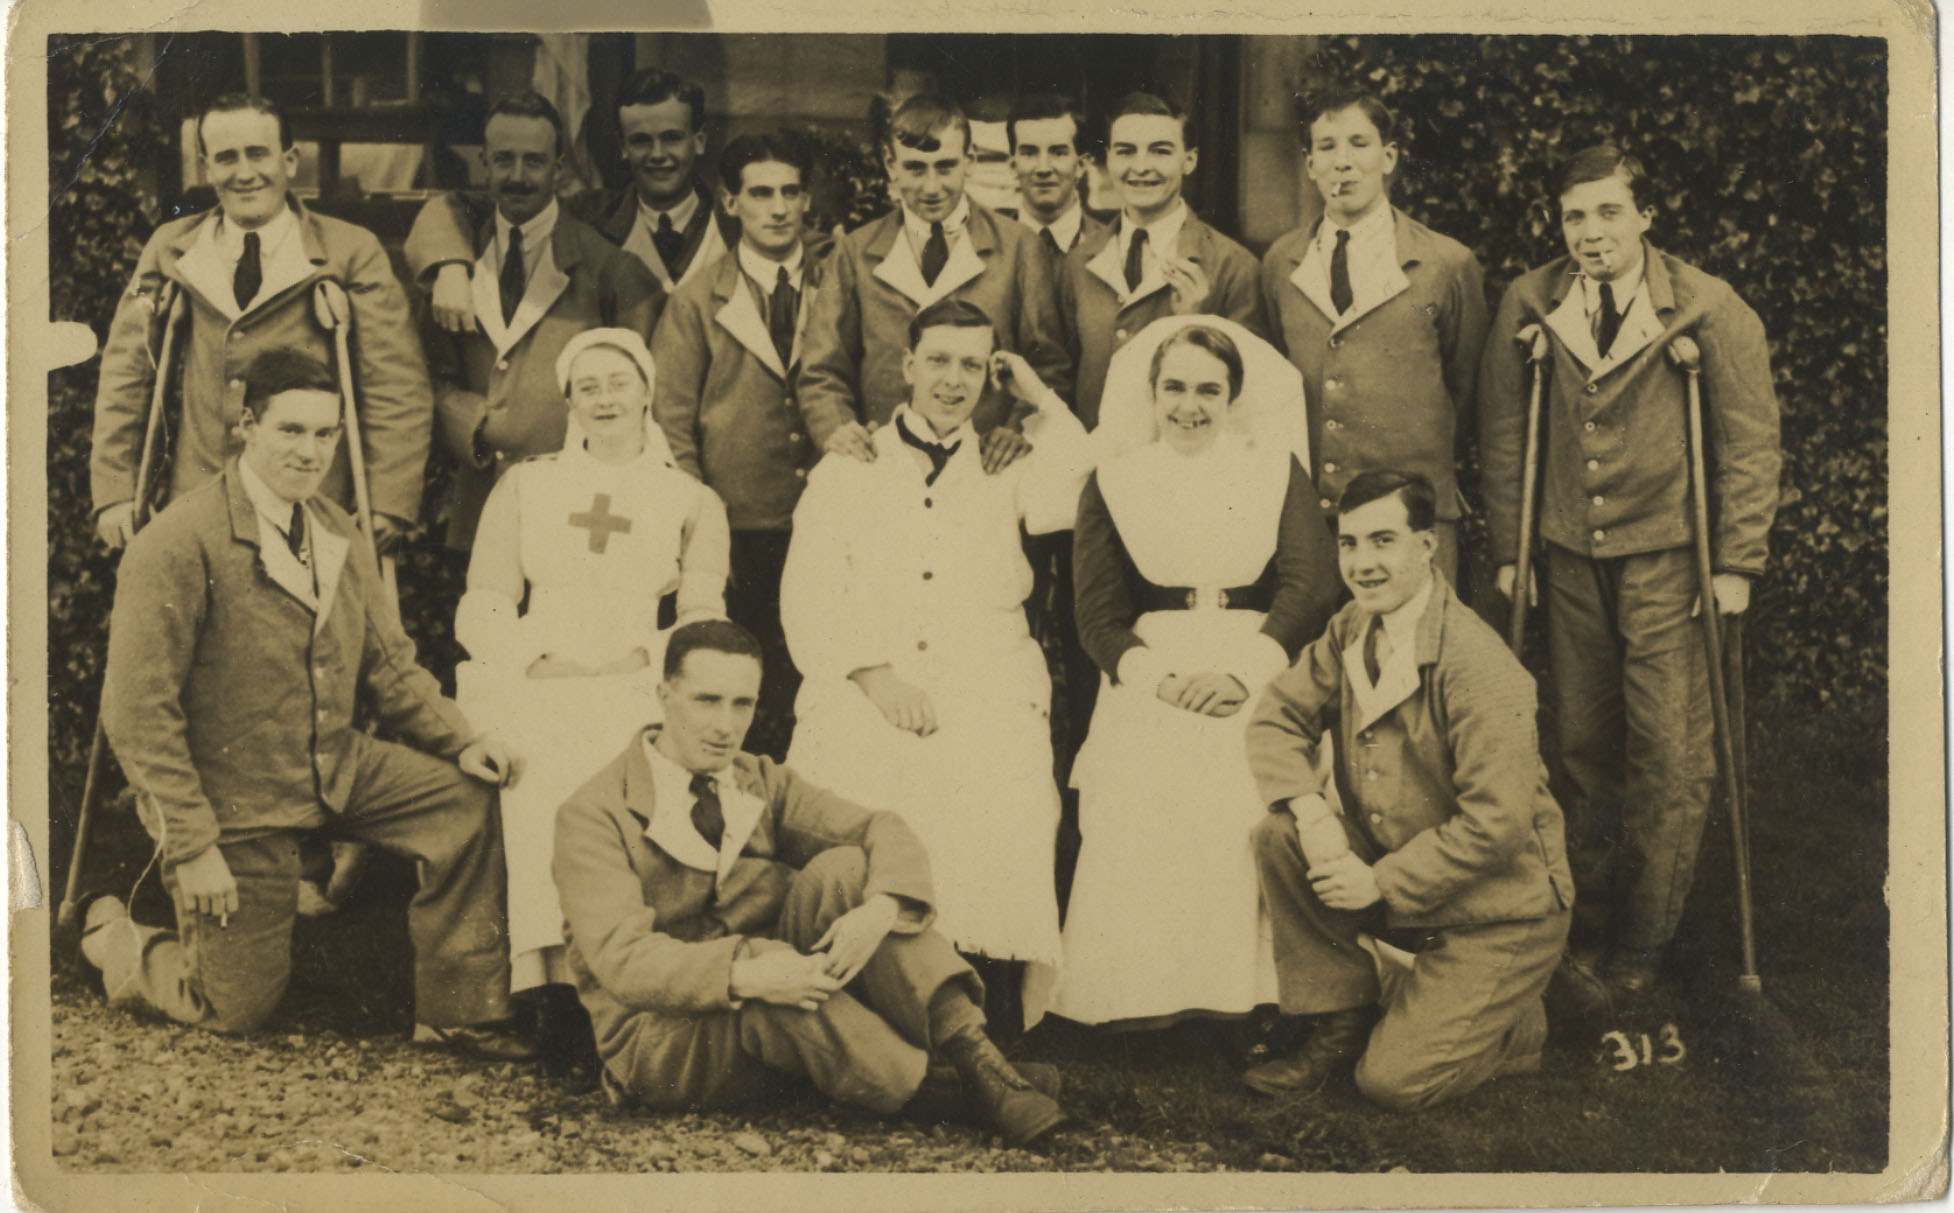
740	316
1569	321
296	262
1642	324
900	269
280	567
544	287
1312	277
329	551
742	811
1109	268
1404	252
202	269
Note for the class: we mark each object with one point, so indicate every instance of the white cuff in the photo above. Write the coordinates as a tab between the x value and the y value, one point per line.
1141	667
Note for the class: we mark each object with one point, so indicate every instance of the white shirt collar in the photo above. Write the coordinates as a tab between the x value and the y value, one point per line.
1161	233
1372	227
1401	625
1064	229
534	232
1624	288
671	826
924	430
765	271
681	214
271	236
919	230
270	506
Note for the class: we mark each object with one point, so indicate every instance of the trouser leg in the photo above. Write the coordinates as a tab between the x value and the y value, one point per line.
1585	651
1670	763
225	973
1319	965
1469	1009
753	602
414	805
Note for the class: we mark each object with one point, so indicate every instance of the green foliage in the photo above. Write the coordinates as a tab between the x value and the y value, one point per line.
1769	161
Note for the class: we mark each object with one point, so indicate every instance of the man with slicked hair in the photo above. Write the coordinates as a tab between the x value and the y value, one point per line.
937	244
1446	841
1046	132
1630	674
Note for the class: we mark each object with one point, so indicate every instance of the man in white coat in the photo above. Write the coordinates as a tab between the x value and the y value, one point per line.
903	603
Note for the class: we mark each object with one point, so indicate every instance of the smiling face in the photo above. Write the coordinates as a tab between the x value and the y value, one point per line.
1147	155
1384	562
1349	161
946	373
608	396
1602	227
930	184
1190	398
770	205
709	706
522	164
662	148
246	167
290	445
1046	160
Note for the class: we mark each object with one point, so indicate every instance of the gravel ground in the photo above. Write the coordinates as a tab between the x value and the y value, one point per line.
324	1102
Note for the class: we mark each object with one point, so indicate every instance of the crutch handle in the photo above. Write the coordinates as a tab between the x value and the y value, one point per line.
1684	353
1535	339
330	305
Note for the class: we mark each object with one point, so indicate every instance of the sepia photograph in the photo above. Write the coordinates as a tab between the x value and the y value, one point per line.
1165	612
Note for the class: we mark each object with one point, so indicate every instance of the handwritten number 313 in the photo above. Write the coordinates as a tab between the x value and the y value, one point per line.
1626	1056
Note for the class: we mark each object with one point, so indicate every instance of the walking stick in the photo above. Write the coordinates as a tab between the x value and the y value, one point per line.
1684	352
170	301
1516	623
330	305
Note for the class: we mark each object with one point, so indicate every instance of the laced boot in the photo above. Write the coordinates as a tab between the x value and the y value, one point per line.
1335	1044
998	1094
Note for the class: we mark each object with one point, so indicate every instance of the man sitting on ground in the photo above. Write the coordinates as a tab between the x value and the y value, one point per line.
729	922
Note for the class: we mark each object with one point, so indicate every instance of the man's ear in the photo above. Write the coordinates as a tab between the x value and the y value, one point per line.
726	201
909	367
699	142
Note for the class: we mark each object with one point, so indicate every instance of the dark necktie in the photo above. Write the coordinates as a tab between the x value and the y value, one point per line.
250	272
670	243
1051	242
780	316
1372	658
1340	296
1610	321
936	252
514	284
937	452
707	817
295	533
1135	249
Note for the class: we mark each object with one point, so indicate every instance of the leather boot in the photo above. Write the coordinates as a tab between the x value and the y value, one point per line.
1335	1045
998	1094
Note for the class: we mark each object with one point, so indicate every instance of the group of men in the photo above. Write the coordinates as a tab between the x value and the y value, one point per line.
712	941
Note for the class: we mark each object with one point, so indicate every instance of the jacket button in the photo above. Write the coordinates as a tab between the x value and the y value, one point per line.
1591	389
801	472
1333	383
794	438
928	503
1332	424
1328	504
1597	498
1377	818
922	646
1600	535
1371	774
1331	468
502	364
1334	343
927	574
1119	335
1588	426
1594	465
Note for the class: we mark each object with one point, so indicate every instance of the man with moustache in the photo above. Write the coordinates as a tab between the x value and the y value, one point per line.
248	271
726	350
249	617
540	277
1624	646
732	924
1044	132
903	601
1447	839
937	244
665	217
1159	259
1385	317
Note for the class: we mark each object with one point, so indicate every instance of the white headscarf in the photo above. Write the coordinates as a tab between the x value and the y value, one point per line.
632	346
1269	411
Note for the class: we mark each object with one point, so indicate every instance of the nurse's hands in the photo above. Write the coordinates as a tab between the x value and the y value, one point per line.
1211	694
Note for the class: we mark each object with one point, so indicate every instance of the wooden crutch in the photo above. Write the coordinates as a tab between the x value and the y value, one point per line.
1516	621
334	311
171	302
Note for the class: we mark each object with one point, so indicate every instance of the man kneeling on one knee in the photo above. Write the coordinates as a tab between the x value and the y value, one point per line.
1446	821
729	922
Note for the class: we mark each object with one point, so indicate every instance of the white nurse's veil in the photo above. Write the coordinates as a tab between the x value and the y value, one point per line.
1269	411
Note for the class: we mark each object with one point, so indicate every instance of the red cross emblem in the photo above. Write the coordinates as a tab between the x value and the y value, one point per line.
600	522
